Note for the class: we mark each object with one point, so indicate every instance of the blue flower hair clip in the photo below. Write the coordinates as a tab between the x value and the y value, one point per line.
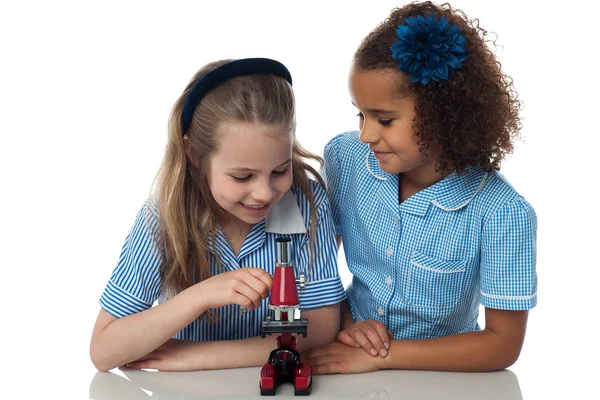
429	49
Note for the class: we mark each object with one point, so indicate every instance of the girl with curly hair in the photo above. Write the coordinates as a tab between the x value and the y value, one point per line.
430	228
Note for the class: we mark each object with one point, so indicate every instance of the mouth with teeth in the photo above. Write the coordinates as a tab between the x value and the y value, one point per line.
254	209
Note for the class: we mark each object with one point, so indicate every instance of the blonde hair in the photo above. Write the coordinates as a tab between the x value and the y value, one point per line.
188	213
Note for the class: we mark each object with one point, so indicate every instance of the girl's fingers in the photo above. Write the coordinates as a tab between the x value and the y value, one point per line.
373	336
244	302
382	333
257	285
360	338
345	338
253	297
263	275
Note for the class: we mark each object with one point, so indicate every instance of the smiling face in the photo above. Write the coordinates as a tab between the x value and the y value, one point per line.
386	120
251	170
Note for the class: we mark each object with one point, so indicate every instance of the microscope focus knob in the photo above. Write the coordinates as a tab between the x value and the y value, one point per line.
301	280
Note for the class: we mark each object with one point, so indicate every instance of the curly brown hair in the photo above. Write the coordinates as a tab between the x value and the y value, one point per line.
469	119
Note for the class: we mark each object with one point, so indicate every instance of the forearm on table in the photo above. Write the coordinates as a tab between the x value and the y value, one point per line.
476	351
251	352
129	338
323	325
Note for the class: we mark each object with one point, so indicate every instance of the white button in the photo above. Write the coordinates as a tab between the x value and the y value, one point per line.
388	281
380	312
389	251
396	220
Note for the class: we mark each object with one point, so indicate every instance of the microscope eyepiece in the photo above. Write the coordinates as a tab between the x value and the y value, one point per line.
283	251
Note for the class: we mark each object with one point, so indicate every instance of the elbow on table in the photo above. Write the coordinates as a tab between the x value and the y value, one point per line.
506	357
99	359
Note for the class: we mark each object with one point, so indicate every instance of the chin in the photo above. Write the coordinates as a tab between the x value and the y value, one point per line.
253	220
249	219
391	169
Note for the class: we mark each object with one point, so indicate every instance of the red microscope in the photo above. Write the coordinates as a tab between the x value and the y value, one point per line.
285	363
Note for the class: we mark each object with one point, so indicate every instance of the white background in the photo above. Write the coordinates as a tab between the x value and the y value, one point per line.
85	92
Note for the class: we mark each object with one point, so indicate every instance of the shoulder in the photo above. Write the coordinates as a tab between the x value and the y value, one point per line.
345	145
319	197
346	159
147	222
343	139
150	211
499	196
320	208
480	193
150	207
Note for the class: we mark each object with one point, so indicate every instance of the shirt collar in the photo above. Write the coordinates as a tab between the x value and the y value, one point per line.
374	168
457	190
285	217
450	194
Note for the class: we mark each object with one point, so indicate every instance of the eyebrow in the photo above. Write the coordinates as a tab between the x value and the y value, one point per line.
244	169
377	110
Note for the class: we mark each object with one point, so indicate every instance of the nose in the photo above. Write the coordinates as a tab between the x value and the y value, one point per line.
262	191
368	133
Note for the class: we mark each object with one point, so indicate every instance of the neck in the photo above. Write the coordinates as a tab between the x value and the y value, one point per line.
423	176
418	179
235	232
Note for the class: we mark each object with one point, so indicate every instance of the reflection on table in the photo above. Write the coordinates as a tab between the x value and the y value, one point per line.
126	383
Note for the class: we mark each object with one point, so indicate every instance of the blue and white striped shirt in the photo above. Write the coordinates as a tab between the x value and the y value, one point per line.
422	267
135	282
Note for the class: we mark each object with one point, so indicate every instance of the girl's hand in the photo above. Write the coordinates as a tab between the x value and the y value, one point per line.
371	335
245	286
335	358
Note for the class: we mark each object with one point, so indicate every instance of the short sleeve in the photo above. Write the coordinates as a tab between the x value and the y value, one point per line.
324	286
508	258
135	282
332	180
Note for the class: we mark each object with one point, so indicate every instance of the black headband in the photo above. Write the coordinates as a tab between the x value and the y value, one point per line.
246	66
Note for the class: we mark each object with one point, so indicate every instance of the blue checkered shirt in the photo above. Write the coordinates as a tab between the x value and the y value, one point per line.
424	266
135	283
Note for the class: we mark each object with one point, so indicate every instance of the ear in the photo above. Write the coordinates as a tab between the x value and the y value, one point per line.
187	148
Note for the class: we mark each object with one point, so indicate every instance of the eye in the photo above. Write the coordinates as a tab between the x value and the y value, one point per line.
281	173
361	119
244	179
385	122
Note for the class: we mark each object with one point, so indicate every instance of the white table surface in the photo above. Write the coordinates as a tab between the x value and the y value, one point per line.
243	383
